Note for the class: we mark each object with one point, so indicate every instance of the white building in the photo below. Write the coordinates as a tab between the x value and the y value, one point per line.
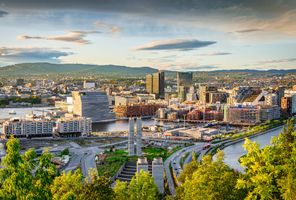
125	100
40	127
88	85
33	126
76	126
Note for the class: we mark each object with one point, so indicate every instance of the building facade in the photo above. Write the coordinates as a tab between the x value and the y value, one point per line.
29	127
155	84
92	104
74	127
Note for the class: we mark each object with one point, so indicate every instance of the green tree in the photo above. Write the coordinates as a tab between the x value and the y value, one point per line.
45	173
16	172
189	169
211	180
25	176
270	172
67	186
97	188
141	187
121	190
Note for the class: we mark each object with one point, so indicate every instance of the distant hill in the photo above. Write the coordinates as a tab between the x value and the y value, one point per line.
25	69
270	71
41	69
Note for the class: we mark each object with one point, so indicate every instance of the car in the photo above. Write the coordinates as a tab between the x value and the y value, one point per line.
206	146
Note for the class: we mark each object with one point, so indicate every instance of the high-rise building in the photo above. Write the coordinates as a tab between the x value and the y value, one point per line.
286	105
184	82
204	93
184	79
191	95
182	91
280	91
92	104
139	136
155	84
149	83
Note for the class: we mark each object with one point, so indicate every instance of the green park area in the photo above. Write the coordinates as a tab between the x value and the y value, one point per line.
111	161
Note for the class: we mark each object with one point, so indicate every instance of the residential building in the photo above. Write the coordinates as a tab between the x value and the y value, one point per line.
73	126
34	127
242	115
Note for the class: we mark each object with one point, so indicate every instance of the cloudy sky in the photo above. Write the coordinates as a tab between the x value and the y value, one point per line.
164	34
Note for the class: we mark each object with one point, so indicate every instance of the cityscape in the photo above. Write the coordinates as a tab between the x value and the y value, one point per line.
147	100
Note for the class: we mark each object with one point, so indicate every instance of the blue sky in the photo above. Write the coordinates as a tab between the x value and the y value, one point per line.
168	34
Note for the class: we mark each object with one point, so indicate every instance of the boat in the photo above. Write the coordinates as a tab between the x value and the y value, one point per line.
12	112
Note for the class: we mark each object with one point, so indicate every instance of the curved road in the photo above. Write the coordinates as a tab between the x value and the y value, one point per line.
174	161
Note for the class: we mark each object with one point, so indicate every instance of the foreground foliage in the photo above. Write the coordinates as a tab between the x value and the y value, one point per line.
36	178
209	180
270	173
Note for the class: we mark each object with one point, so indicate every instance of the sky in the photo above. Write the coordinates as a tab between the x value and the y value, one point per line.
182	35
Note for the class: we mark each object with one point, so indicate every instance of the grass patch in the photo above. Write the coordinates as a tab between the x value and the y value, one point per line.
153	152
112	163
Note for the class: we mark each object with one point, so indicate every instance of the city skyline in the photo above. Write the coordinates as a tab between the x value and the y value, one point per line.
173	35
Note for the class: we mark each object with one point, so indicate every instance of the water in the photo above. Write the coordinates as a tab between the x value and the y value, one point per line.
235	151
21	112
122	125
119	125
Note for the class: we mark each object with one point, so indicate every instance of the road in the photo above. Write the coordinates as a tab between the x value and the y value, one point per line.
174	161
83	157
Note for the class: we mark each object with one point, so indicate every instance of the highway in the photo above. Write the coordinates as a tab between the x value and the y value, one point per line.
174	161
